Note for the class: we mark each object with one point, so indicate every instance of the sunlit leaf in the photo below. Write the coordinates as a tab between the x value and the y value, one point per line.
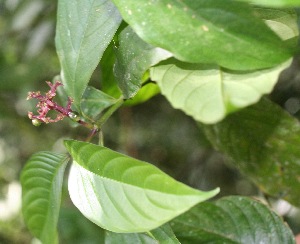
208	93
232	220
122	194
263	142
134	58
41	181
219	32
84	30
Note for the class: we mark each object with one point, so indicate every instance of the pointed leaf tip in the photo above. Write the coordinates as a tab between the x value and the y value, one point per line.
122	194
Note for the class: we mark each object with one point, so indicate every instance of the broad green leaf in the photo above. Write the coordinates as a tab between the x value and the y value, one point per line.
84	30
208	93
122	194
221	32
128	238
263	143
144	94
41	181
94	102
274	3
233	220
164	235
134	58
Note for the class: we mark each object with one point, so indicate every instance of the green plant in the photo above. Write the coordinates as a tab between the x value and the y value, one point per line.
208	58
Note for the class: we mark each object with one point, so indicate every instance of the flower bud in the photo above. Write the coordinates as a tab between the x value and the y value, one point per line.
74	116
36	122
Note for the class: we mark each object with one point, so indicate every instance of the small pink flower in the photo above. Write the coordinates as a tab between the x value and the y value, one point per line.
47	104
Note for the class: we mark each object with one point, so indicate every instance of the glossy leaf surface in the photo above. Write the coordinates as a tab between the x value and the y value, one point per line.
134	58
41	181
84	30
122	194
232	220
208	93
219	32
263	142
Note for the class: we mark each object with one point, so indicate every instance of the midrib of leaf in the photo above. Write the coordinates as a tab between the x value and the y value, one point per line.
118	208
236	224
130	185
80	49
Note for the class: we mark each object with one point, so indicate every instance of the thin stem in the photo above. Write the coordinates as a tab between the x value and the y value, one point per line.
86	125
109	112
91	135
100	142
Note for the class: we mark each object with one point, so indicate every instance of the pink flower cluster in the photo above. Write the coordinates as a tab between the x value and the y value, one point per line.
46	104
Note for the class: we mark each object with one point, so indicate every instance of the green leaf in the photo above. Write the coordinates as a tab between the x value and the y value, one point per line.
84	30
144	94
161	235
263	143
274	3
94	102
134	58
232	220
41	181
122	194
128	238
164	235
108	82
208	93
219	32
